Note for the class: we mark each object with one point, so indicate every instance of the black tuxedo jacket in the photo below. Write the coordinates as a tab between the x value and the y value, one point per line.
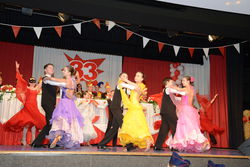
48	95
167	106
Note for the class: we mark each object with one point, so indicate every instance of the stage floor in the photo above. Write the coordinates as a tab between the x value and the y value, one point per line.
92	150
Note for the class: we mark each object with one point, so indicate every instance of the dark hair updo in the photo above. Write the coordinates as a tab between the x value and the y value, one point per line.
71	70
143	75
190	79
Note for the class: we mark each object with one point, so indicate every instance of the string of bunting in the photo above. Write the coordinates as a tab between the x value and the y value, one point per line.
129	33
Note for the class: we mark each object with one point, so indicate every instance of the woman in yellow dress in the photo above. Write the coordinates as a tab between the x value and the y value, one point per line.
135	127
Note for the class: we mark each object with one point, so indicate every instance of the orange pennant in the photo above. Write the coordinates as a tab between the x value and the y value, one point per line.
222	50
16	30
160	45
191	51
59	30
97	23
128	34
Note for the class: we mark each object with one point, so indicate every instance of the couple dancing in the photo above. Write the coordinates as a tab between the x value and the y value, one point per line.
64	122
179	116
134	131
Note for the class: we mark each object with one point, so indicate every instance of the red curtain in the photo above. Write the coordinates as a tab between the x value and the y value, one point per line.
218	84
154	70
11	52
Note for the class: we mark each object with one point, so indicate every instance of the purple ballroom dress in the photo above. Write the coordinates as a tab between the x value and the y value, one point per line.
67	122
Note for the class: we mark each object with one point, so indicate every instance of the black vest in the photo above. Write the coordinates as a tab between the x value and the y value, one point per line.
117	99
48	95
167	106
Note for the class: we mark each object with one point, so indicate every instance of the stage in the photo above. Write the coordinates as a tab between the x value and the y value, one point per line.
90	156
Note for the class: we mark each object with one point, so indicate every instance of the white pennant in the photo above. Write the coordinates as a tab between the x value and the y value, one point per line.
38	31
145	41
78	27
111	24
237	47
206	51
176	50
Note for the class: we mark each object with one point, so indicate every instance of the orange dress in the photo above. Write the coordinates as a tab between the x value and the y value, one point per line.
29	115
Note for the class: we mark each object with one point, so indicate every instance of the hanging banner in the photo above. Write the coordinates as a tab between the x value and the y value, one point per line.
191	51
111	24
128	34
145	41
78	27
160	46
206	50
97	23
38	31
176	50
16	30
59	30
237	47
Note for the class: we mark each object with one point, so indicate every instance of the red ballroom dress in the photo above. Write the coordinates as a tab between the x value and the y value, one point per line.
206	116
29	115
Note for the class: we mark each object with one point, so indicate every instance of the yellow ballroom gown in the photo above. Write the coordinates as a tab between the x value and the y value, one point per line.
135	127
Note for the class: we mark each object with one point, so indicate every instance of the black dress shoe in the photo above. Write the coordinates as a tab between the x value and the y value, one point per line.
39	146
158	149
103	148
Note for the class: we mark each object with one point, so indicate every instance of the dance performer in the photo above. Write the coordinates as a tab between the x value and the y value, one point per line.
87	110
116	109
135	127
109	96
206	118
188	136
67	122
48	103
168	114
29	117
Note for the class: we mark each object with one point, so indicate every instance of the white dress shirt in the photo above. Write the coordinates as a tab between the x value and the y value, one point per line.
54	83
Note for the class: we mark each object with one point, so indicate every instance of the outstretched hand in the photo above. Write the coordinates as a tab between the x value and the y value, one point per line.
17	65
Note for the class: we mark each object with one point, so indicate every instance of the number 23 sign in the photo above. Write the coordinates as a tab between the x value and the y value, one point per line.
87	69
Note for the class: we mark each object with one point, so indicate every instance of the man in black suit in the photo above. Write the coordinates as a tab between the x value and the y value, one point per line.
109	97
116	109
168	114
48	104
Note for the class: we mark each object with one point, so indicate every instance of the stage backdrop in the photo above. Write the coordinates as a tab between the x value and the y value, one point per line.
91	66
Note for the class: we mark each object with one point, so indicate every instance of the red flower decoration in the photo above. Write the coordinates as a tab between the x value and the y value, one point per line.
157	124
244	119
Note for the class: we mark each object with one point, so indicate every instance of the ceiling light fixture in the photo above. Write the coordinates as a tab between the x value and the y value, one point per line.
63	17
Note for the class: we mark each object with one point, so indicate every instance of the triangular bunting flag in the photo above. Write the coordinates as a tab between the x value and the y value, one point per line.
176	50
222	50
191	51
38	31
237	47
16	30
128	34
206	51
78	27
160	46
145	41
97	23
59	30
111	24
